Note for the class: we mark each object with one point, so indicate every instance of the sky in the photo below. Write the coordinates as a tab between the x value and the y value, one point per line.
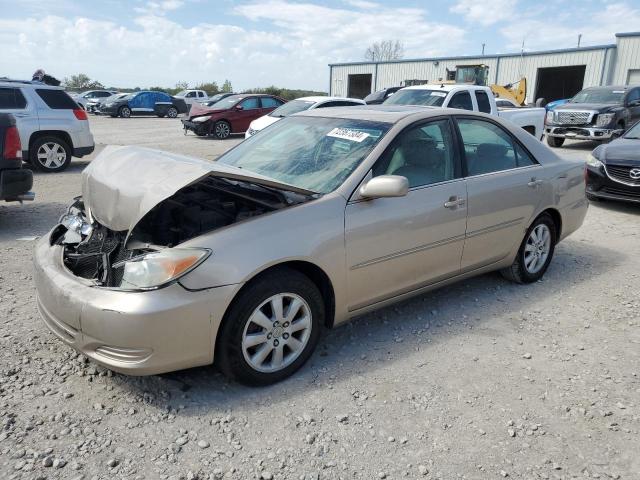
275	42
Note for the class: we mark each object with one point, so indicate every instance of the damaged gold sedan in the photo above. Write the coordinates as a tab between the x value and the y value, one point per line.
168	262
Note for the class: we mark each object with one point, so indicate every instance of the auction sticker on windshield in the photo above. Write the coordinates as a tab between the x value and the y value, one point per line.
348	134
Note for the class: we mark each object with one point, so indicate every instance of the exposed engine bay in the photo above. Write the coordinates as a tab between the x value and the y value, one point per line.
95	252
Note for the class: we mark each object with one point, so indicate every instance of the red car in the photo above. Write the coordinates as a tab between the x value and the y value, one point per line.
230	115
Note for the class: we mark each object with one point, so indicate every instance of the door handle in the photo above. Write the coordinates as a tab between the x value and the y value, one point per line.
454	202
534	183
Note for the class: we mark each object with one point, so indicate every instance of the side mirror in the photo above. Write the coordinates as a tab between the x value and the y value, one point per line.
239	107
385	186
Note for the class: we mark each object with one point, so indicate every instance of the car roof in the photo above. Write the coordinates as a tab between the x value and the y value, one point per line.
381	113
8	82
609	87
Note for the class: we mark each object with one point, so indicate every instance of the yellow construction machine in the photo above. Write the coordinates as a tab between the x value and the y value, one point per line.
479	75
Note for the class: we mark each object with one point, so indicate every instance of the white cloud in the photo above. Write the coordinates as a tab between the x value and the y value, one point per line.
285	44
486	14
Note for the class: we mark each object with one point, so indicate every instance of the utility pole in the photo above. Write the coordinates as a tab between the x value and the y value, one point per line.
483	49
579	38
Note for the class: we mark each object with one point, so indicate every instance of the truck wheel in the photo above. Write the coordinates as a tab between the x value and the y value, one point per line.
50	154
555	142
222	129
124	112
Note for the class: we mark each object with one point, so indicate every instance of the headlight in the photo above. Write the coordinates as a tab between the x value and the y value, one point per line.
156	269
549	116
593	162
201	119
604	119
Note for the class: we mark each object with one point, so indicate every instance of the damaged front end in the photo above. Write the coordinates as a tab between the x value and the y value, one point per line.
149	255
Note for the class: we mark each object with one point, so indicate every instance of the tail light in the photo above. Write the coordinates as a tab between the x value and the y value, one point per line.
80	114
12	147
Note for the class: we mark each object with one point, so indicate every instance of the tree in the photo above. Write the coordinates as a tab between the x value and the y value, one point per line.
385	50
182	86
81	82
226	87
210	87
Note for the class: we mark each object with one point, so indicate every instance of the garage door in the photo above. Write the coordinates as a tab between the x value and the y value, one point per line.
634	77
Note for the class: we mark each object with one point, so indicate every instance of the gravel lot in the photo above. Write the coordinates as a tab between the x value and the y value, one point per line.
480	380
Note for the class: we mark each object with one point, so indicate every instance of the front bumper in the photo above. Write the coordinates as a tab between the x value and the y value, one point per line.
196	127
601	185
581	133
14	183
136	333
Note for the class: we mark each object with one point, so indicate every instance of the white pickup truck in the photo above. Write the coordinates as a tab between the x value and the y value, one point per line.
469	97
192	96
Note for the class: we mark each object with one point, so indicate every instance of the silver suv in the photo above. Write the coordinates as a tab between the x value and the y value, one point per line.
52	127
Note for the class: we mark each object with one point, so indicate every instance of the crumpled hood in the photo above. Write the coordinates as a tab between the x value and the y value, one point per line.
122	184
201	109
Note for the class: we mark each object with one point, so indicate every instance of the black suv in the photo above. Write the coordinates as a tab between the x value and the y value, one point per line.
596	113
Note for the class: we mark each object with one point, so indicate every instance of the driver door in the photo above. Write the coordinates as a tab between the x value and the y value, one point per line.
396	245
243	117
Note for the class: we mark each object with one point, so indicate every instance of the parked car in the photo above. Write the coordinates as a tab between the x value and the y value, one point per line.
336	212
380	96
192	96
299	105
595	113
613	170
144	103
213	99
94	105
229	115
469	97
15	181
52	126
555	103
85	97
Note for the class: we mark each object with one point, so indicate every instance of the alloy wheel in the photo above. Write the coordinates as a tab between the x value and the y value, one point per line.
537	248
172	112
52	155
222	130
277	332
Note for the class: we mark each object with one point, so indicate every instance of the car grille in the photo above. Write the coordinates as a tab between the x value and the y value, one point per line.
573	118
627	192
620	173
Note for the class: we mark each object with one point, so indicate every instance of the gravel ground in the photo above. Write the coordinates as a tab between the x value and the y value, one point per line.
480	380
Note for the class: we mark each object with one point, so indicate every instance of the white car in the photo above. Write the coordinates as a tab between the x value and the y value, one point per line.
299	105
84	97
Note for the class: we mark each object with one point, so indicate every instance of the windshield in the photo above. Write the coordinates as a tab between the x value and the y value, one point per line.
215	99
431	98
633	132
312	153
229	101
289	108
182	93
599	95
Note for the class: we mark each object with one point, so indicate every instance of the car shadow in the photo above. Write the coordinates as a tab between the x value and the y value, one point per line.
376	340
630	208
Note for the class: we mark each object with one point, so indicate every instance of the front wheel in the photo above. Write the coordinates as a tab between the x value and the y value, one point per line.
535	252
555	142
271	329
222	129
50	154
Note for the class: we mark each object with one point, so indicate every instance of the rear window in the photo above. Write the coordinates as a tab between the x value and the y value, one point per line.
56	99
11	99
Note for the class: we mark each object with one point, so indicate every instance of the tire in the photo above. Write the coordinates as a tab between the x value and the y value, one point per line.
555	142
50	154
222	129
172	112
533	259
124	112
241	358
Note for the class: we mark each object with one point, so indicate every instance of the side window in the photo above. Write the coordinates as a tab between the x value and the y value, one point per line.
250	103
425	154
201	94
633	95
461	100
191	94
483	101
488	148
268	102
11	99
329	105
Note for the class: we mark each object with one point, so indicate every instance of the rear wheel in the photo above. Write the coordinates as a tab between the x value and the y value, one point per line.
555	142
50	154
271	329
172	112
535	253
222	129
124	112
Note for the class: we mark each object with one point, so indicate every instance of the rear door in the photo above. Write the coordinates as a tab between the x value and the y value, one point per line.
504	185
15	101
396	245
269	104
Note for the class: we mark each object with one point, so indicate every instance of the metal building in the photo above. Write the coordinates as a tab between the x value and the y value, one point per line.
552	74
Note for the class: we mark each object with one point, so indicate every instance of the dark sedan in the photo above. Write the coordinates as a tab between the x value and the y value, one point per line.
613	170
144	103
230	115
